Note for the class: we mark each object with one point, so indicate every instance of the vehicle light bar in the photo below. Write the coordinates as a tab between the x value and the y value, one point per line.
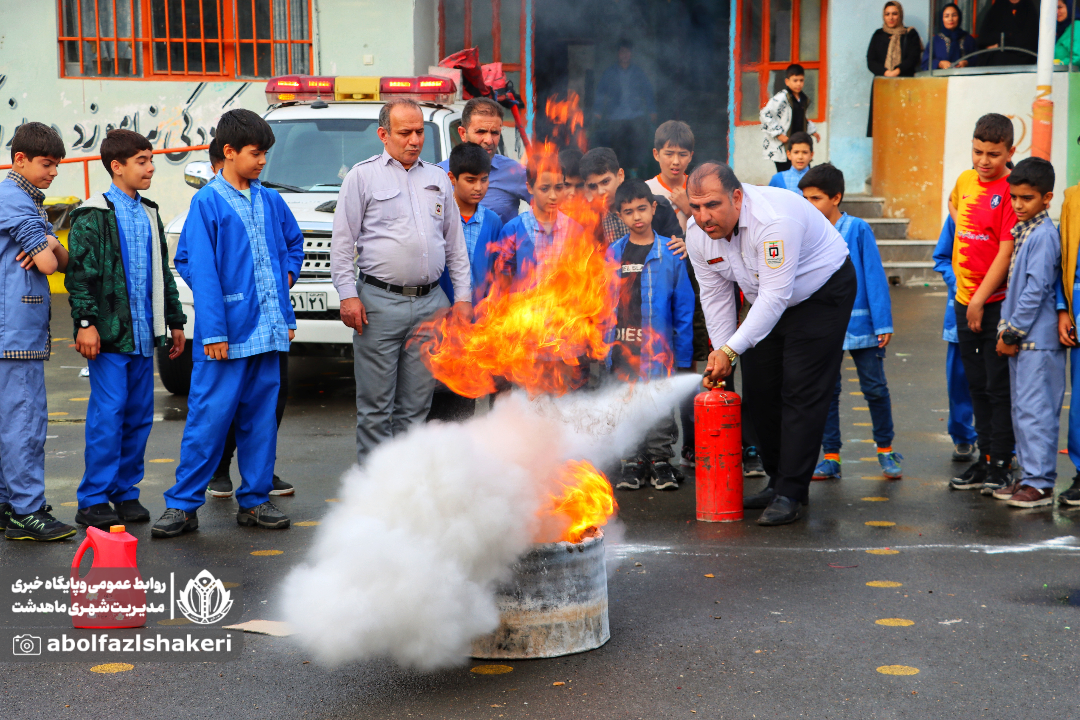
298	88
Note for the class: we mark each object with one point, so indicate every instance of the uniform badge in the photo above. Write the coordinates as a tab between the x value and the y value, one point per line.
438	209
715	260
774	253
995	201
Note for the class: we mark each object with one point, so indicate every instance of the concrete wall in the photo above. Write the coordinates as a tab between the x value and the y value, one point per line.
399	35
851	23
925	141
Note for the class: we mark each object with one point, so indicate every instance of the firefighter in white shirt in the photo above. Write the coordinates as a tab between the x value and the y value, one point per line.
793	267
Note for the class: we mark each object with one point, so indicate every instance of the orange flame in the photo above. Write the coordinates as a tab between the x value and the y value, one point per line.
568	119
533	330
587	500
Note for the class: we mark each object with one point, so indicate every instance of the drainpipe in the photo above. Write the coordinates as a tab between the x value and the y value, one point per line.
1042	109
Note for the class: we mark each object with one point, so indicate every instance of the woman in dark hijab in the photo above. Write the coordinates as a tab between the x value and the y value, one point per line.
950	43
893	52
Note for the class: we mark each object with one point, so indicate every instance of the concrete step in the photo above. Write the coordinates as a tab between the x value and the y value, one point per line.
889	228
912	273
907	250
863	206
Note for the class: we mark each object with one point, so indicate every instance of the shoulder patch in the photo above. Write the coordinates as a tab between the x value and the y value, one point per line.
774	254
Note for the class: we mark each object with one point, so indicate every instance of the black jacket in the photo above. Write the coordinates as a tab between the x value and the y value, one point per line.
910	52
1019	23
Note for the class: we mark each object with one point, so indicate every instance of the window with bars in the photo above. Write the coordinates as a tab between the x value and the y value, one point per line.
770	35
184	39
495	27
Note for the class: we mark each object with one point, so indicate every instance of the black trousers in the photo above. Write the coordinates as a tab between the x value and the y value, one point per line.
789	379
283	394
988	380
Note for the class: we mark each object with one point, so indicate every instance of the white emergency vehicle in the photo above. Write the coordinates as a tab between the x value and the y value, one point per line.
323	126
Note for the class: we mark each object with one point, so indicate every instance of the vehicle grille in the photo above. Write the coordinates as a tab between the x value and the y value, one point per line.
318	315
316	255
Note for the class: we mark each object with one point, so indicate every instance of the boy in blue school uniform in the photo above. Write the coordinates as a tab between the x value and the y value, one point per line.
542	229
654	324
961	412
1028	336
869	330
240	251
124	304
29	252
800	153
470	166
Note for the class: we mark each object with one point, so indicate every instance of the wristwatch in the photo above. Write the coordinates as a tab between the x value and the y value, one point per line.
1010	338
731	355
84	323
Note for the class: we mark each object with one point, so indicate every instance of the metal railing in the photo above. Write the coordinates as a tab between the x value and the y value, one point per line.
1001	47
96	158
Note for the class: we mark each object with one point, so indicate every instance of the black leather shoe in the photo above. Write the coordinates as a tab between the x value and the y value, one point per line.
132	511
781	511
759	500
100	516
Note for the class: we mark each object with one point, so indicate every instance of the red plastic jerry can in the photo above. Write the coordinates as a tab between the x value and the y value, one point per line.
718	441
114	562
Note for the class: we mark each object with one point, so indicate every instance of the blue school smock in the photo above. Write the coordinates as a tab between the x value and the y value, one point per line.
667	306
1030	305
214	258
481	234
872	314
24	322
789	179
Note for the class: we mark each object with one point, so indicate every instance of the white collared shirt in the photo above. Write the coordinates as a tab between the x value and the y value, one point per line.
782	252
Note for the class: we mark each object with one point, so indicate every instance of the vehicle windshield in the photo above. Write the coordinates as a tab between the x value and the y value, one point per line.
314	155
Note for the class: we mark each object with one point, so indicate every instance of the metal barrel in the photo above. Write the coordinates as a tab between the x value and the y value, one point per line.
555	604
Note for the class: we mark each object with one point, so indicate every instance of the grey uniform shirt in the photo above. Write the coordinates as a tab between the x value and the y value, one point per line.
401	226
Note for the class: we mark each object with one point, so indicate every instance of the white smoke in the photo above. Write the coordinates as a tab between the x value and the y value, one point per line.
405	565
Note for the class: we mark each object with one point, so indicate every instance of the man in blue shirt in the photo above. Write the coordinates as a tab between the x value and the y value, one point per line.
626	107
240	251
481	123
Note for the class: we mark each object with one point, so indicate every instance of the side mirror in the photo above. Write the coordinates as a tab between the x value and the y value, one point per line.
198	174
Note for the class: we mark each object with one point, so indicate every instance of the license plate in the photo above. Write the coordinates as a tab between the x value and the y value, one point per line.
308	301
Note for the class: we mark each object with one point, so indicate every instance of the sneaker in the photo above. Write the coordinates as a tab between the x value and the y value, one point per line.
1029	497
220	486
890	465
280	487
5	515
963	452
100	516
973	477
998	477
1072	495
751	466
38	525
1006	492
664	476
689	458
827	470
264	516
174	522
633	475
132	511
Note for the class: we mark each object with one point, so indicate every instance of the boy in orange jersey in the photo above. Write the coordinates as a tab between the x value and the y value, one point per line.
984	243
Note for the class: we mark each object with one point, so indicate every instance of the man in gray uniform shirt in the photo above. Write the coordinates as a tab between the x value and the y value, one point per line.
397	222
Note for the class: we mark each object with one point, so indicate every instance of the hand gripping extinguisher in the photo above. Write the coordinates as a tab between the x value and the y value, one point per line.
718	431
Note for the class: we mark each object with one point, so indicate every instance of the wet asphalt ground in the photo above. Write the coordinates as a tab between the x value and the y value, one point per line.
982	601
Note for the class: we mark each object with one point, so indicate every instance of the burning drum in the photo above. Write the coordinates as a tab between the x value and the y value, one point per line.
556	603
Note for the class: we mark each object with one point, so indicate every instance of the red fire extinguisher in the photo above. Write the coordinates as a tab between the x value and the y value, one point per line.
718	431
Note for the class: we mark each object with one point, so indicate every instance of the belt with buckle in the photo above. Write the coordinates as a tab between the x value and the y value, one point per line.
407	291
